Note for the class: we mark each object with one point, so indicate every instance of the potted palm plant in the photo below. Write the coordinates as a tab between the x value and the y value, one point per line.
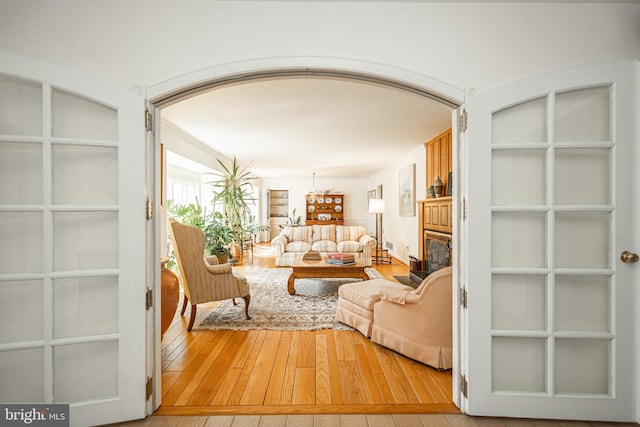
234	189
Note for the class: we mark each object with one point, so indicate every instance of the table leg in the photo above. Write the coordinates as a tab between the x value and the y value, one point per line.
365	276
290	284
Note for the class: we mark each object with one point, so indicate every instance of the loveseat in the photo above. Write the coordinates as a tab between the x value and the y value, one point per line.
295	241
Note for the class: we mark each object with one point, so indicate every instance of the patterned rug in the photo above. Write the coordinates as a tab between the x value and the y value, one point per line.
312	307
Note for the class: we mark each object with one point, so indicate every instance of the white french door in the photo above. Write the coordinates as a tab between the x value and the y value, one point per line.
72	268
550	191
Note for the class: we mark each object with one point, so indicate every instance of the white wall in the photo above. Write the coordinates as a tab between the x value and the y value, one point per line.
401	231
477	44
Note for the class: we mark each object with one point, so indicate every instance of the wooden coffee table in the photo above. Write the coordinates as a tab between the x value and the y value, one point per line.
319	269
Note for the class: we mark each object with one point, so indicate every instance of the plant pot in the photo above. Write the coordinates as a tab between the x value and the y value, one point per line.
169	296
222	258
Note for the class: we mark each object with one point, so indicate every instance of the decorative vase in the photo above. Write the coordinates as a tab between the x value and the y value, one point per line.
169	295
438	187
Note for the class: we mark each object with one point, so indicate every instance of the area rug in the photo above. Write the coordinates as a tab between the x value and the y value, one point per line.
312	307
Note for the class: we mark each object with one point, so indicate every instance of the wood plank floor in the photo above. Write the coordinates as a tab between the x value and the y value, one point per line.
293	372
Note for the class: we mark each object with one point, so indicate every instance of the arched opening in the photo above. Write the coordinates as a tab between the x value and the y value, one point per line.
169	94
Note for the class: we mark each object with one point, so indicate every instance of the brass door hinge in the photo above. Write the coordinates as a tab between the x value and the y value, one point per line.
148	121
464	121
149	210
463	297
148	388
464	386
149	299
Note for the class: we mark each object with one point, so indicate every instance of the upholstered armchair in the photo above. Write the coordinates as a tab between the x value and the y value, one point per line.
417	323
202	278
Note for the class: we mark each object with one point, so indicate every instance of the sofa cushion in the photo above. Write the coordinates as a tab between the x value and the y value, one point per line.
364	294
325	246
349	233
350	247
298	246
324	232
298	234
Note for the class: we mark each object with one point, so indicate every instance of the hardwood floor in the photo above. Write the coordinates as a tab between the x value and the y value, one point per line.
293	372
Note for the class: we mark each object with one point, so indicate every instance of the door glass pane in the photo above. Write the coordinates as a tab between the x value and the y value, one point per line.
518	177
518	364
21	173
22	373
22	242
85	306
582	366
85	240
518	239
582	240
85	175
78	117
582	176
521	124
20	107
582	303
16	299
583	115
85	371
518	302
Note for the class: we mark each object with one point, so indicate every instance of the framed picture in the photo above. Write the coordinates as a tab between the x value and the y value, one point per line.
407	190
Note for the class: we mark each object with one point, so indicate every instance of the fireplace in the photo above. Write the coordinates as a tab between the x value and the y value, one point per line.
438	255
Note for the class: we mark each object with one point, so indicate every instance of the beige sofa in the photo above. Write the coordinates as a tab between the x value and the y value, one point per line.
295	241
417	323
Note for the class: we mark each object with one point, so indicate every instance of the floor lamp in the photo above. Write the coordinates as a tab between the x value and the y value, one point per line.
376	206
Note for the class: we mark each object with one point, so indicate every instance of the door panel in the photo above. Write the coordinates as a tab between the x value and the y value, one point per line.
549	304
72	274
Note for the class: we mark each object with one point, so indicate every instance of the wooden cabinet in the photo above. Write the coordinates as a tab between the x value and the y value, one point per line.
439	160
324	209
435	213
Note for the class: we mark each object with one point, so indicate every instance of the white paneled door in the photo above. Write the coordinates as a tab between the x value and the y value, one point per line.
551	188
72	227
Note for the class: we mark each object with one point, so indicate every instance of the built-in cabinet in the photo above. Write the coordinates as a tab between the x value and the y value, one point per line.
324	209
278	210
435	213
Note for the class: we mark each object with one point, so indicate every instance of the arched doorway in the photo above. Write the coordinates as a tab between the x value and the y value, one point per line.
176	90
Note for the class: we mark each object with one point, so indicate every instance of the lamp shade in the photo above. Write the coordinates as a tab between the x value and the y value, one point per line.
376	206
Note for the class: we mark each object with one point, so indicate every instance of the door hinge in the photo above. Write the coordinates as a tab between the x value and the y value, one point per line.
463	297
463	209
148	388
148	120
149	210
464	121
149	299
464	386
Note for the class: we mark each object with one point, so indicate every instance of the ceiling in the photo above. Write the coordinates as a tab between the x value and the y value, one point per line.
295	126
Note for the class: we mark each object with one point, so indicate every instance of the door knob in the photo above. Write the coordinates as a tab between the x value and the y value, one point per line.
628	257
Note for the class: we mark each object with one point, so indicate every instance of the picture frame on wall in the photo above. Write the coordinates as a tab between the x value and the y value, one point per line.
407	190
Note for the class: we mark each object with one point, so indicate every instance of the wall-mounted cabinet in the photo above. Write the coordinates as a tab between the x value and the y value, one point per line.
324	209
